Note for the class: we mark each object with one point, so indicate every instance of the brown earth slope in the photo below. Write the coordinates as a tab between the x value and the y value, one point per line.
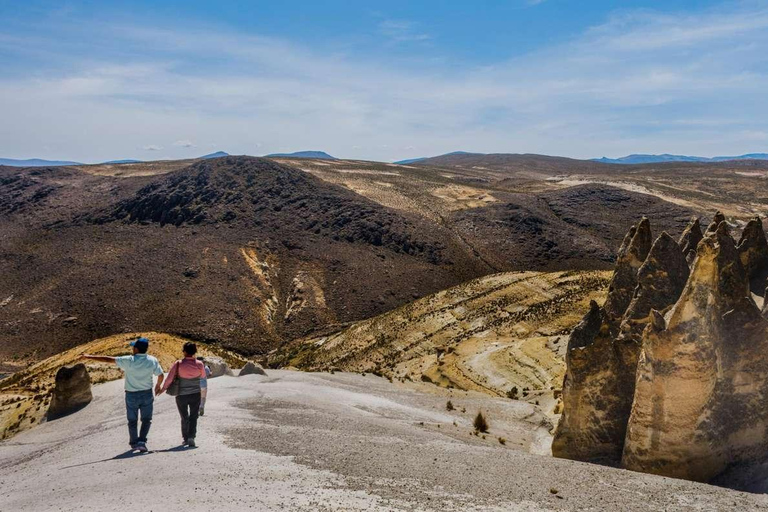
252	252
503	334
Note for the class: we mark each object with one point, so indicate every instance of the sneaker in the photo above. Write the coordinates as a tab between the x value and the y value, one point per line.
134	446
191	442
142	447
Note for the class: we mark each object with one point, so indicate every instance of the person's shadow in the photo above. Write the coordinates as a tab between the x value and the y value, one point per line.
131	454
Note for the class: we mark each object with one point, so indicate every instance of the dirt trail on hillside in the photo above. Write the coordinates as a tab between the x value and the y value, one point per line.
299	442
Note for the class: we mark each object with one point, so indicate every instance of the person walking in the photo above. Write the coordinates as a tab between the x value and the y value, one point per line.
140	370
188	372
204	385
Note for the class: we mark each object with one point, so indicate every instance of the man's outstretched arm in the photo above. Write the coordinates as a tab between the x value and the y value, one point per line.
101	359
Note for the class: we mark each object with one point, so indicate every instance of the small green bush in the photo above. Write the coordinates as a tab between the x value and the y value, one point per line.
480	423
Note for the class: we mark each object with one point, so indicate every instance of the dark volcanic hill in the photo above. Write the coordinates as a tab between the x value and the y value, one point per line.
252	253
241	250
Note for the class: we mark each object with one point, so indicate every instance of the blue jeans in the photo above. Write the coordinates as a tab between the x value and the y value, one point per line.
135	402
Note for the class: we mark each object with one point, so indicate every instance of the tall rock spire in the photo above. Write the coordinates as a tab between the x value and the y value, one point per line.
602	350
631	256
753	253
690	239
702	376
716	221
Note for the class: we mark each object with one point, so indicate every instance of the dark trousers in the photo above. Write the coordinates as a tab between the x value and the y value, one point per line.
189	409
139	402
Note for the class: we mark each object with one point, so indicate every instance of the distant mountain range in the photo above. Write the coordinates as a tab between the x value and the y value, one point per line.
38	162
35	162
317	155
655	159
217	154
415	160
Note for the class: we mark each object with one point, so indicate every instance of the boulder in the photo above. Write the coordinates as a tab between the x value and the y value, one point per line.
218	366
72	391
252	368
702	377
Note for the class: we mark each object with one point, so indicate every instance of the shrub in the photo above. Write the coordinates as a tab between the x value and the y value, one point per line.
502	441
449	405
480	423
512	393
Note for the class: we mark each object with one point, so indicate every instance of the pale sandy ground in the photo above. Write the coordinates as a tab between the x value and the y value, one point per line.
300	441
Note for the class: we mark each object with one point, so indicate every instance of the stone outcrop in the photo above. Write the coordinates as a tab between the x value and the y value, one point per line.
690	239
252	368
72	391
688	364
718	219
753	253
218	367
602	350
632	254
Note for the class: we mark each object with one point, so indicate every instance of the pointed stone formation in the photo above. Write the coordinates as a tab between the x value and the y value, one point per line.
716	220
660	281
690	239
702	376
631	256
596	408
585	432
753	253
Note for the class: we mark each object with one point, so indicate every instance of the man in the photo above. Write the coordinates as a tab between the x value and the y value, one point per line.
139	370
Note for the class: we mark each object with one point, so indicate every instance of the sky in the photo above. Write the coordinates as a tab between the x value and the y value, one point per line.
96	81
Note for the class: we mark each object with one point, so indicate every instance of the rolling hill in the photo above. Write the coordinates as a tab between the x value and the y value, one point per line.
35	162
315	155
253	253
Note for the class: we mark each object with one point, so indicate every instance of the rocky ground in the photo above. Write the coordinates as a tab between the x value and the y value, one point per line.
298	441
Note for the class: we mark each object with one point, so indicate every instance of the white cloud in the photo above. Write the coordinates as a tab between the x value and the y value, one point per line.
641	82
185	144
400	31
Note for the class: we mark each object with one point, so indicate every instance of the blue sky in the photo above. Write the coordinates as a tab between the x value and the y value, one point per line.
92	81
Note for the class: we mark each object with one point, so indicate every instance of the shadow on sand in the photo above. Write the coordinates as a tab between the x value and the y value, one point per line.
131	454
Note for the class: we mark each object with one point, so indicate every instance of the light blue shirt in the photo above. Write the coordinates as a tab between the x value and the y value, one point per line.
139	371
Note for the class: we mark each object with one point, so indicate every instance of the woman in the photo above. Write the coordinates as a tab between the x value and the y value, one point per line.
189	371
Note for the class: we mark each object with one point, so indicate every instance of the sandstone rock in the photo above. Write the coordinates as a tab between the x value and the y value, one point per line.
660	281
252	368
702	379
218	366
716	221
603	349
765	303
690	239
753	253
631	256
72	391
586	430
